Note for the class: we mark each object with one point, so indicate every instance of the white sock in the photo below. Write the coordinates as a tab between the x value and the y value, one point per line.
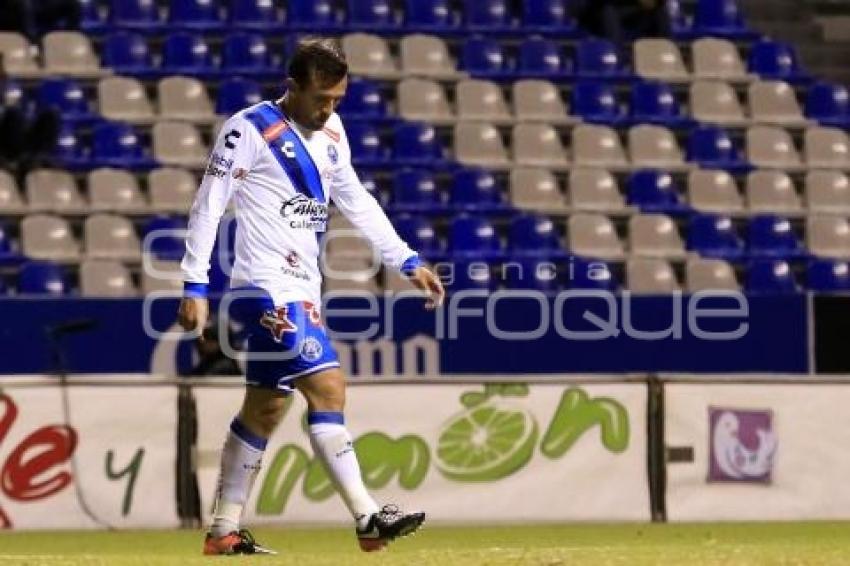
240	463
332	445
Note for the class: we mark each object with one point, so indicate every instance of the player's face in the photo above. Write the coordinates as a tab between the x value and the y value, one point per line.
316	102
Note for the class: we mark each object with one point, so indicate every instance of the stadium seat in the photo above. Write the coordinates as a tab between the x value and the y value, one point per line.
715	102
10	196
828	236
655	147
115	190
470	274
483	57
829	104
416	143
651	276
195	15
419	235
163	237
482	101
655	235
774	102
188	54
311	15
826	148
717	59
171	189
480	144
538	145
8	249
426	56
720	18
254	15
594	235
415	190
42	278
710	275
135	15
712	148
476	191
714	236
184	98
178	144
370	15
772	192
53	190
65	97
655	103
487	16
770	276
550	17
828	192
91	18
769	235
528	273
346	240
363	101
124	99
659	59
591	274
18	56
598	146
12	94
714	191
247	54
771	147
128	54
116	144
235	94
369	56
366	146
431	16
163	276
828	276
71	53
474	237
105	278
598	58
48	237
651	190
539	101
536	189
595	102
108	236
543	58
423	100
532	234
69	151
775	60
595	190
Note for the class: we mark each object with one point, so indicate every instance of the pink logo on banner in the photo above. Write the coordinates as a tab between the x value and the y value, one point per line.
742	445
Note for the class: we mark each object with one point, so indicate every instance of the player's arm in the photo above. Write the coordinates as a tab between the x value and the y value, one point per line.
234	150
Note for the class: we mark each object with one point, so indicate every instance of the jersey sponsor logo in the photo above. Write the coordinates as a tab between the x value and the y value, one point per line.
228	139
306	213
311	349
240	173
278	322
293	267
333	154
218	166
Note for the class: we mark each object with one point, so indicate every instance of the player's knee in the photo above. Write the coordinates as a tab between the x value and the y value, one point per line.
264	419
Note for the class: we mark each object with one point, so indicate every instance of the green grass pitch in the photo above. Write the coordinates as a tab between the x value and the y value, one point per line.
746	544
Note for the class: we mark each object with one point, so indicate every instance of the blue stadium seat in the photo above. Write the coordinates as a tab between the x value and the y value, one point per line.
484	57
235	94
769	235
248	54
416	143
370	15
476	190
487	16
654	103
548	17
712	148
474	236
714	237
721	18
429	16
69	152
543	58
534	235
680	24
775	60
596	102
828	276
366	146
311	15
415	190
536	274
591	274
115	144
12	94
598	58
363	101
66	97
828	104
372	187
91	19
162	236
42	278
770	276
420	236
8	254
195	15
187	53
254	15
135	15
127	54
469	274
654	192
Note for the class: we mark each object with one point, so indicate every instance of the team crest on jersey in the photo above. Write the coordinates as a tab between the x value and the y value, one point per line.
333	154
278	322
311	349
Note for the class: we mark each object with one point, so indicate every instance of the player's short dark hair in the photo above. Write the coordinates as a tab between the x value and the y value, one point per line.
319	59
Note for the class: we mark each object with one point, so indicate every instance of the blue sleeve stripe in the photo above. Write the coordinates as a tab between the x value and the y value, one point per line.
325	417
239	430
195	289
410	264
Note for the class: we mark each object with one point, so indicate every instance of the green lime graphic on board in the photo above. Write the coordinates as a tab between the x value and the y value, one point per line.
576	414
490	440
288	464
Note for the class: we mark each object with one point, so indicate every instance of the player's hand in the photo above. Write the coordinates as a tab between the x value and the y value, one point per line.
193	315
425	280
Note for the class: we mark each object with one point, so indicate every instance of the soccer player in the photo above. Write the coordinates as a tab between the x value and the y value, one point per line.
280	162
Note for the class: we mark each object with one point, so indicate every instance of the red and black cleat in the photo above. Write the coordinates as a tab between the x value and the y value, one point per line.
386	525
236	542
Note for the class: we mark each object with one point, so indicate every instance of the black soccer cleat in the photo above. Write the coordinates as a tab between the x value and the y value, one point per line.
386	525
236	542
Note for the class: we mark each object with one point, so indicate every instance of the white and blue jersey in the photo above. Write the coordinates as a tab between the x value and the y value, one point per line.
281	179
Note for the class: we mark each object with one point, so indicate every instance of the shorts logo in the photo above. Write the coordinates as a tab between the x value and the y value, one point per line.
333	155
313	313
277	321
311	349
742	445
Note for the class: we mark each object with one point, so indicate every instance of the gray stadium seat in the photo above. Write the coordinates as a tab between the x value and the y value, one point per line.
772	192
774	102
10	196
655	147
827	148
540	101
171	189
537	189
598	146
718	59
427	56
828	192
178	144
538	145
48	237
480	100
714	191
161	275
344	239
71	53
125	99
594	235
369	56
17	55
53	190
104	278
479	144
595	190
716	102
655	235
659	59
710	275
184	98
109	236
828	236
651	276
115	190
771	147
346	273
423	100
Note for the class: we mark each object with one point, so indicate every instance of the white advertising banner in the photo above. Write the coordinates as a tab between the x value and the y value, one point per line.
759	452
111	462
491	453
